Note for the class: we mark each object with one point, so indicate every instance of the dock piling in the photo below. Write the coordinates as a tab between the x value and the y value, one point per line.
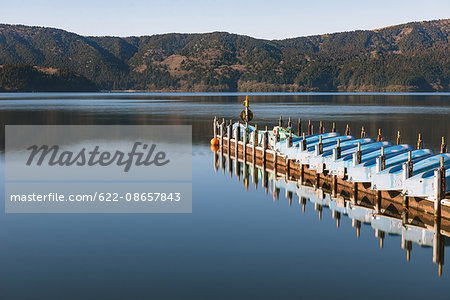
379	136
321	129
309	127
439	175
333	129
299	127
347	130
419	142
399	138
380	161
443	146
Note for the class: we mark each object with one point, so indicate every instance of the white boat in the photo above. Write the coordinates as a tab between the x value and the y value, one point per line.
332	165
346	146
395	155
392	178
424	184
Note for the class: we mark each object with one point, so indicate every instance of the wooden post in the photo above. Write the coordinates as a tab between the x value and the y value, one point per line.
357	156
265	143
419	142
379	137
443	146
255	143
380	161
303	144
363	132
407	167
290	140
289	123
237	133
287	168
347	130
245	140
399	138
321	129
229	136
337	150
280	122
222	132
319	147
439	175
309	127
215	127
299	127
333	129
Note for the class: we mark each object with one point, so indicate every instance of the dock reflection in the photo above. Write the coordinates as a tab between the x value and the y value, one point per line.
414	227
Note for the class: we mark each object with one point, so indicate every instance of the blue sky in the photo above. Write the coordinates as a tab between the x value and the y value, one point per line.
262	19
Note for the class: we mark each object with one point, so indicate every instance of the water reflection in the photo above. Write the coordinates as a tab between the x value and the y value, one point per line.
413	227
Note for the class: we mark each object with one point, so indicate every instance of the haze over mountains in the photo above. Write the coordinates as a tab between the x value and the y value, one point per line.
408	57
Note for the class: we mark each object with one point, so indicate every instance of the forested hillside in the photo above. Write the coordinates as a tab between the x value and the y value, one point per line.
407	57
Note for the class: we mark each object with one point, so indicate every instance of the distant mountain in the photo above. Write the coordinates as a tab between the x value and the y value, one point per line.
408	57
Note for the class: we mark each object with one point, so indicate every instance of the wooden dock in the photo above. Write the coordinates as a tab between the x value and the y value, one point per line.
408	211
276	162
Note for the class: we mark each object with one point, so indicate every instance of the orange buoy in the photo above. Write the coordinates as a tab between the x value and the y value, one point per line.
214	142
214	148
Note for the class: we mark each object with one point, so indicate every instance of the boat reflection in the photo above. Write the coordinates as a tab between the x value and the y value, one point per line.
414	227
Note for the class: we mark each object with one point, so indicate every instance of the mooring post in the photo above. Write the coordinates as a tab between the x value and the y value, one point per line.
333	129
290	140
215	127
299	127
443	146
399	138
287	168
357	156
318	148
407	167
309	127
419	142
237	133
380	161
439	175
347	130
255	143
245	141
265	143
321	129
337	150
303	144
277	137
280	122
289	123
379	137
363	132
222	132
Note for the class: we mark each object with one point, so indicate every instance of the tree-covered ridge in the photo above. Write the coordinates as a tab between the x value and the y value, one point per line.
17	78
413	56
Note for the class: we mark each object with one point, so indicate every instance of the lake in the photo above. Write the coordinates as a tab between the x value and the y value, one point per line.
236	243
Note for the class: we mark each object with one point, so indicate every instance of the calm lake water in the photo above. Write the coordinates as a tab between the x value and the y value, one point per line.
236	243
